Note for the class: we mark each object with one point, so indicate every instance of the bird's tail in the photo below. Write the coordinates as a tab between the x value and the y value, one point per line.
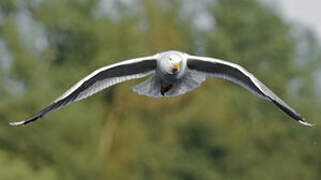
152	87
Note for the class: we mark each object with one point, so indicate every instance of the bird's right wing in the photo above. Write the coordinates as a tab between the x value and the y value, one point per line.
239	75
98	80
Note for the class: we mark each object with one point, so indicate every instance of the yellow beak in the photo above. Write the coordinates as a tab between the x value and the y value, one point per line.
176	67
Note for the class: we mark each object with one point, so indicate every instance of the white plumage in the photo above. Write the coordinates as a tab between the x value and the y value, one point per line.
175	73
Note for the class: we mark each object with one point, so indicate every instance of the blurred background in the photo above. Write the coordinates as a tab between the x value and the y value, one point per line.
218	131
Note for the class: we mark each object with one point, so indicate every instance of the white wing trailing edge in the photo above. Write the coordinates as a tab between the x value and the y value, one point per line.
98	80
237	74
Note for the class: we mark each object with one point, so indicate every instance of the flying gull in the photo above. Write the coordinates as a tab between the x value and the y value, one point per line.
175	73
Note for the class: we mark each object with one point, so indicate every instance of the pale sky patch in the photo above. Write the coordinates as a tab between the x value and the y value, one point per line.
305	12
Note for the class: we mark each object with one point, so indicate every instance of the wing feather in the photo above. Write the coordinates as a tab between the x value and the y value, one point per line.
237	74
98	80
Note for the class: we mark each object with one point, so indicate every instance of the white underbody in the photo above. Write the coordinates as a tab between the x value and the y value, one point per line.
151	87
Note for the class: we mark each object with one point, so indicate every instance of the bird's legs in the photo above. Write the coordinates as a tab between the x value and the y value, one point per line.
165	88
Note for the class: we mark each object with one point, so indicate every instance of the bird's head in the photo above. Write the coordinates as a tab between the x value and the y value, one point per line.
172	63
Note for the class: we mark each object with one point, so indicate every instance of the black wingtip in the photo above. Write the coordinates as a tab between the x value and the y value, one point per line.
305	123
22	123
292	113
51	107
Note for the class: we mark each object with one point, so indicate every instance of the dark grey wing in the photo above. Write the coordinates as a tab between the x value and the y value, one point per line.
237	74
98	80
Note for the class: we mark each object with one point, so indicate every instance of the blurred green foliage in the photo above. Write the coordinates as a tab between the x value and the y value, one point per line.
218	131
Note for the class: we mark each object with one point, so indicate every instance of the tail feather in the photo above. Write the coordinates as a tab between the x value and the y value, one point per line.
152	87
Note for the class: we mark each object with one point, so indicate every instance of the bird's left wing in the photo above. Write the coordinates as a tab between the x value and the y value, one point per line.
98	80
239	75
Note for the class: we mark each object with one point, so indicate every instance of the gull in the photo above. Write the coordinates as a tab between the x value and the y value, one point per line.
174	73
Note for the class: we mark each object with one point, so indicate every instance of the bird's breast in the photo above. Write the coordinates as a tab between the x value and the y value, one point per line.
168	77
